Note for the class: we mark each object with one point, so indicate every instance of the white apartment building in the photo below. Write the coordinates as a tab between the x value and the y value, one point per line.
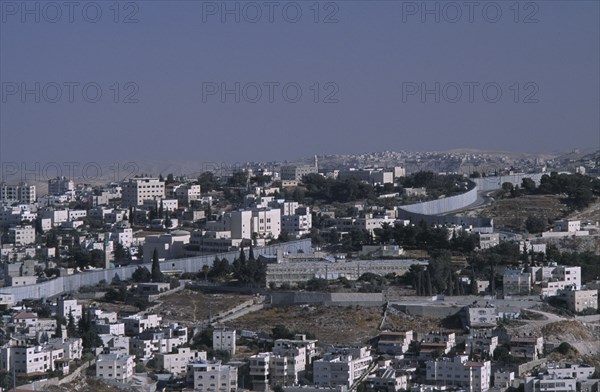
136	324
557	277
286	363
177	361
569	226
299	341
488	240
66	307
167	204
550	383
115	366
298	222
187	193
21	235
22	193
341	367
477	317
136	190
212	376
224	340
31	359
103	328
579	372
393	342
123	235
56	216
168	246
72	347
459	371
387	379
265	222
296	172
579	300
60	185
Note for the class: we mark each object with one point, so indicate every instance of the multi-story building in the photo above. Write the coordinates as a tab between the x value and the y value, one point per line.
212	376
22	193
115	366
387	379
435	343
392	342
488	240
341	367
554	277
571	370
136	190
299	341
60	185
167	246
260	371
516	282
298	223
377	176
567	225
479	317
21	235
580	300
31	359
550	383
67	308
286	363
224	340
265	222
176	362
296	172
481	342
459	371
187	193
136	324
527	347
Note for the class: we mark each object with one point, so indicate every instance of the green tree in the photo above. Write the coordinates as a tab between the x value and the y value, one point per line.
141	275
157	275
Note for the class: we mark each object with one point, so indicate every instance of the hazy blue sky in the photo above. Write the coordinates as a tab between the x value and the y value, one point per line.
368	65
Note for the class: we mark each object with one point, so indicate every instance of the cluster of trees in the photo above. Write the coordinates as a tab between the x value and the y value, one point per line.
426	237
83	329
436	185
439	277
340	191
579	189
244	269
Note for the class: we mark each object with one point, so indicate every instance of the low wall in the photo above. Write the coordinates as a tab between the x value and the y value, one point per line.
288	298
72	283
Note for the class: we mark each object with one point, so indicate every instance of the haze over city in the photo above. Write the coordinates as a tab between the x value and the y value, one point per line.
154	79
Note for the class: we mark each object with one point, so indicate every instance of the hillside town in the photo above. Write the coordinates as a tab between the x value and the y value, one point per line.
99	280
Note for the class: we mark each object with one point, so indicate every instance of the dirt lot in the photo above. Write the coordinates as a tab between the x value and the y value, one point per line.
189	306
330	324
591	213
512	213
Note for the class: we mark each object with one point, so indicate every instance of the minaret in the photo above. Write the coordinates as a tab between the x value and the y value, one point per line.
316	164
106	253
